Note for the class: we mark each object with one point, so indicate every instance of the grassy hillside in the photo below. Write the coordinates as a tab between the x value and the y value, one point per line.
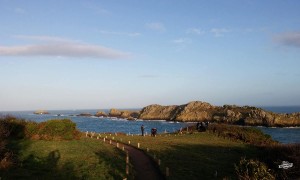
76	159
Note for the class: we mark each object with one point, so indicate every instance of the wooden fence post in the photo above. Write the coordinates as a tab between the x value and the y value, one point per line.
167	172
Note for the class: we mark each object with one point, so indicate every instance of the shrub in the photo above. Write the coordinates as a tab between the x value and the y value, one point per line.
274	155
31	129
246	134
253	169
12	127
55	129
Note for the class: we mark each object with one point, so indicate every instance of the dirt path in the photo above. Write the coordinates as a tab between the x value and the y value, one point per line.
145	168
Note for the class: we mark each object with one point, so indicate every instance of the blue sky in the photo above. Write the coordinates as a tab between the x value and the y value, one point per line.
128	54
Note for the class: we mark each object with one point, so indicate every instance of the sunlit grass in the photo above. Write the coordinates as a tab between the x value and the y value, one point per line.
191	156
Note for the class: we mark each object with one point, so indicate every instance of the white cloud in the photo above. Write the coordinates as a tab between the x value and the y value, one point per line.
181	41
288	39
60	47
195	31
218	32
44	38
131	34
156	26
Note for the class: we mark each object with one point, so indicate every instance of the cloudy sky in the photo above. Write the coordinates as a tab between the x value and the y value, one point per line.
95	54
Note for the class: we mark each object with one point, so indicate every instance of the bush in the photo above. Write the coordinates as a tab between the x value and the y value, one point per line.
253	169
246	134
54	130
31	129
57	129
10	127
274	155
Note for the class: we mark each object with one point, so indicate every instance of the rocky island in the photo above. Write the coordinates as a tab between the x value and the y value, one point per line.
198	111
202	111
127	114
41	112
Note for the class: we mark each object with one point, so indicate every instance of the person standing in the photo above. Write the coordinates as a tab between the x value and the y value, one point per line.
142	129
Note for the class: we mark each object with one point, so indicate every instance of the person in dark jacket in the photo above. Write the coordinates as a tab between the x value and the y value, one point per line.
142	129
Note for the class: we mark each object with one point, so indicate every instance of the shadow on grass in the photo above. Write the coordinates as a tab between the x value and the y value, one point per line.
203	161
41	168
114	164
14	142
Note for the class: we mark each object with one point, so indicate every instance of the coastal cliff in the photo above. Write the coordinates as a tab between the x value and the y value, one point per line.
231	114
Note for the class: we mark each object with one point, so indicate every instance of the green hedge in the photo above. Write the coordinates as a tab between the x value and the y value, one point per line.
56	129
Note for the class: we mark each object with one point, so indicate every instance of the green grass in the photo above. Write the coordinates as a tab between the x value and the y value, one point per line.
76	159
193	156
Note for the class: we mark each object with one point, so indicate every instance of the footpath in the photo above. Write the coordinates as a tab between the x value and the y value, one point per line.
144	167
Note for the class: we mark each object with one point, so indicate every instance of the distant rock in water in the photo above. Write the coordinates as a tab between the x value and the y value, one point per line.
101	114
231	114
126	114
85	114
41	112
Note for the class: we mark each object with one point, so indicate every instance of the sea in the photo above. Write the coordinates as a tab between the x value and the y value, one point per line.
286	135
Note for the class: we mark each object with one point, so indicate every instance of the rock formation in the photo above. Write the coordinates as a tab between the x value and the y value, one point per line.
85	114
41	112
101	114
203	111
158	112
126	114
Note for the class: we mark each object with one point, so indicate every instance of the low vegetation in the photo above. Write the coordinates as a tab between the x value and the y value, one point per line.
253	169
248	135
54	150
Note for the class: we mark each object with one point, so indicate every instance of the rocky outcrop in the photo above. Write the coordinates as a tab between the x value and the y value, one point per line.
85	115
41	112
126	114
158	112
101	114
195	111
231	114
114	113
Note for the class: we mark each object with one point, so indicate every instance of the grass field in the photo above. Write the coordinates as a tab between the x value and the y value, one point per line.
56	150
192	156
76	159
